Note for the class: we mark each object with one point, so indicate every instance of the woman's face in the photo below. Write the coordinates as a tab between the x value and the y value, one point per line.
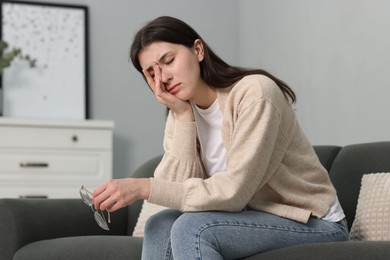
179	65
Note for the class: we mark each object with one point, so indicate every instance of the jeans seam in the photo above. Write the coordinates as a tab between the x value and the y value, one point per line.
168	251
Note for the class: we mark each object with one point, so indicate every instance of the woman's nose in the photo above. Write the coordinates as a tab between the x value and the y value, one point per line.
166	76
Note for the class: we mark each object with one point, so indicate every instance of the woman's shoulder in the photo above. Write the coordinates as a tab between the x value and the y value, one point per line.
260	78
256	82
254	86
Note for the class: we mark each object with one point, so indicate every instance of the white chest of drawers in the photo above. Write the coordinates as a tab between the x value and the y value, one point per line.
53	158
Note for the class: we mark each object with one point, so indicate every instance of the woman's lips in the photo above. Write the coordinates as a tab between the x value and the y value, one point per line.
174	89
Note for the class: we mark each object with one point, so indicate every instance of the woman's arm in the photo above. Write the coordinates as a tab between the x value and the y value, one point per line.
254	140
180	162
181	159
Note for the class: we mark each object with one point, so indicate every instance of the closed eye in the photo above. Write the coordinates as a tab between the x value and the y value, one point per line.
170	61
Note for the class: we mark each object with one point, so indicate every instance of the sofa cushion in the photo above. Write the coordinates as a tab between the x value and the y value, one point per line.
83	247
349	166
372	220
351	250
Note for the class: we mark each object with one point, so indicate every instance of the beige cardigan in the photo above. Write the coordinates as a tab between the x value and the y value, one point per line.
271	166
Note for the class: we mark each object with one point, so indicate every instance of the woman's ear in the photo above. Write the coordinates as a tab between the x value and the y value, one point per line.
199	49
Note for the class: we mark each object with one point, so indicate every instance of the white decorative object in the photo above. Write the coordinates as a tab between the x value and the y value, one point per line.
53	158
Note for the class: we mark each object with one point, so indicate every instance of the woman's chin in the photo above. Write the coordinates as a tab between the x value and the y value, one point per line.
182	97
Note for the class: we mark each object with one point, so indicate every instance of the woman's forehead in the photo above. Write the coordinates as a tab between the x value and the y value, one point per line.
156	52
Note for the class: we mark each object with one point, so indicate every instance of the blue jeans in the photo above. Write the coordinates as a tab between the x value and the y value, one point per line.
171	234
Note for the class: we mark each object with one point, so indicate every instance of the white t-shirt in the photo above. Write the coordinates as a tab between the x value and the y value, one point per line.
209	123
213	152
335	213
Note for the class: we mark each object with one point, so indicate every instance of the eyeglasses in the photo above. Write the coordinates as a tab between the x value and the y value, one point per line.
86	196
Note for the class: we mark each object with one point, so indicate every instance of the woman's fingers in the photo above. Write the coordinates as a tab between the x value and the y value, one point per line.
149	79
155	82
115	193
100	194
164	97
158	80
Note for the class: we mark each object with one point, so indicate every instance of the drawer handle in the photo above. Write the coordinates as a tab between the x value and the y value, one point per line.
33	197
75	138
34	165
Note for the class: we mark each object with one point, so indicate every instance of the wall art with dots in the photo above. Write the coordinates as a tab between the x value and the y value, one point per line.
56	36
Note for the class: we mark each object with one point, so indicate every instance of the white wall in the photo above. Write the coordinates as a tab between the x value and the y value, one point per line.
117	90
335	54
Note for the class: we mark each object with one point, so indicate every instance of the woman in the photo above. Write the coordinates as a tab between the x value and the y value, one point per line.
238	173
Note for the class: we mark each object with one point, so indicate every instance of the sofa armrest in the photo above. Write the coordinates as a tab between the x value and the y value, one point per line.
23	221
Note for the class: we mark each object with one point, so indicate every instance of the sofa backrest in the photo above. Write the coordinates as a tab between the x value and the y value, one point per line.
349	166
327	154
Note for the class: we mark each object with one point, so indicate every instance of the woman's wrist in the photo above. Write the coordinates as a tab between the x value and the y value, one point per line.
186	116
145	188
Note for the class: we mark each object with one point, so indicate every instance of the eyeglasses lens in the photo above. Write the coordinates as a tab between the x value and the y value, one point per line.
101	221
86	197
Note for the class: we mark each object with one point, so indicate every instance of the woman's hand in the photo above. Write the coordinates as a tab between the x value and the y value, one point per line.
181	108
118	193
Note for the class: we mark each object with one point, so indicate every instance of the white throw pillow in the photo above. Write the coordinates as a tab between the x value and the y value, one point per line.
372	219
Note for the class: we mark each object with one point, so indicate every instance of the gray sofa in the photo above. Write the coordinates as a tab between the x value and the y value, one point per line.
65	229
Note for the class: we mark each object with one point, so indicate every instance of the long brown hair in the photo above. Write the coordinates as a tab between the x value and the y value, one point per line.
214	71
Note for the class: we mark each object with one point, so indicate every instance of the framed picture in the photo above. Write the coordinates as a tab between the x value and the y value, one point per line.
55	36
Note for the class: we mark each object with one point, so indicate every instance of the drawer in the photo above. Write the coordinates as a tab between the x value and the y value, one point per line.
49	191
34	191
53	166
64	138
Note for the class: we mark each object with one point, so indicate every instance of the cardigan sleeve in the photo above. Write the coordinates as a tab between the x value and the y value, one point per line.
251	146
181	160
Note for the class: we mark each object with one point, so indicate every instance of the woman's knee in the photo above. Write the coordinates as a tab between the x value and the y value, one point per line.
189	225
161	221
194	234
